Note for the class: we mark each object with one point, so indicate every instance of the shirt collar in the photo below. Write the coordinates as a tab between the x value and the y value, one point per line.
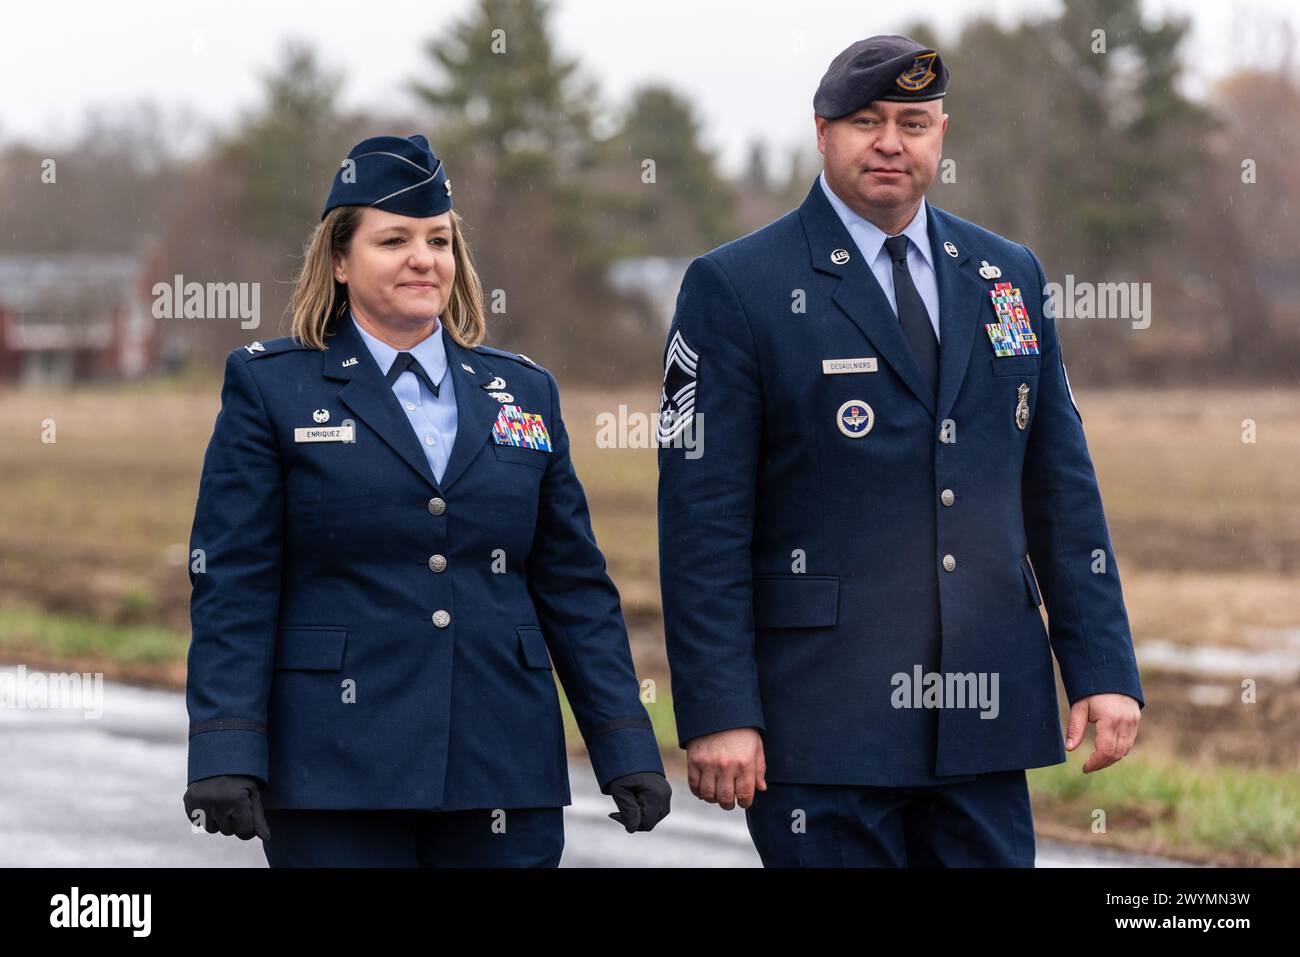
870	237
430	352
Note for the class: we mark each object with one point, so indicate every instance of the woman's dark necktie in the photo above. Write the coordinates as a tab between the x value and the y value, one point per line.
406	361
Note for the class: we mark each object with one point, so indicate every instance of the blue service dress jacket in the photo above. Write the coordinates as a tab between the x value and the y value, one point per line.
368	637
836	533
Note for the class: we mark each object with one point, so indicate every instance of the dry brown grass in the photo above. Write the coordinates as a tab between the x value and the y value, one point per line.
1206	528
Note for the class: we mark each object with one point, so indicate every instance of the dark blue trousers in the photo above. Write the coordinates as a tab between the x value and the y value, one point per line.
985	822
514	837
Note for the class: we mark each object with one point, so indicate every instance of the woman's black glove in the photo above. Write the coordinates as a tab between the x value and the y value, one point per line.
231	804
642	800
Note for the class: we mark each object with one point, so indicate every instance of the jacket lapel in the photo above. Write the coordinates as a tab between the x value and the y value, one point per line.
859	294
961	294
476	410
367	393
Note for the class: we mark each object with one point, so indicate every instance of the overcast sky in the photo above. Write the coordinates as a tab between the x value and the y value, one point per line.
750	66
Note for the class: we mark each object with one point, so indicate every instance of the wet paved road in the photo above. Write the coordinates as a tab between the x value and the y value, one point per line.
106	791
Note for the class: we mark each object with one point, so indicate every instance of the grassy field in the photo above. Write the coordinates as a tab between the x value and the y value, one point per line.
1206	527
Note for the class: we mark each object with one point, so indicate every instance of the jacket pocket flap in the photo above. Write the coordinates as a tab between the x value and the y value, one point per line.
796	601
537	458
1034	595
1015	365
310	647
533	646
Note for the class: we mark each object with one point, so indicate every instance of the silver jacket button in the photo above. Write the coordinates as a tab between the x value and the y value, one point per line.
437	563
947	497
949	563
437	506
441	618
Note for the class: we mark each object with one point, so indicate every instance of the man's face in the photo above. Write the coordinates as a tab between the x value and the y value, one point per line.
885	155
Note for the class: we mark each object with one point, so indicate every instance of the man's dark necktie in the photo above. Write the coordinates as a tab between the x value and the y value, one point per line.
911	313
406	361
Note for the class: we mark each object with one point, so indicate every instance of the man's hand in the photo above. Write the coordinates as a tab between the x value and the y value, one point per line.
1117	717
726	767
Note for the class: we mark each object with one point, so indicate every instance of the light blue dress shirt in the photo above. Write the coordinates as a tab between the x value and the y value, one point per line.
870	240
432	417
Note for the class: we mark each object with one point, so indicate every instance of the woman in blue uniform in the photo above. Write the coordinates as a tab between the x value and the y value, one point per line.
392	556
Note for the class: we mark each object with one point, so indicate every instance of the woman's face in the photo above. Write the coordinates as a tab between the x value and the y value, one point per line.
399	269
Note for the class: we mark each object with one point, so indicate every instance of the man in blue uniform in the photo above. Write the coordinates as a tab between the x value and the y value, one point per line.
893	466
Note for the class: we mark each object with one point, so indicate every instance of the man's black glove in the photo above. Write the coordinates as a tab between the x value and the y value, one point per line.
642	800
231	804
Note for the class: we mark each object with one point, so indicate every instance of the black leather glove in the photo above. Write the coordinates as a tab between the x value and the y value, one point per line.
231	804
642	800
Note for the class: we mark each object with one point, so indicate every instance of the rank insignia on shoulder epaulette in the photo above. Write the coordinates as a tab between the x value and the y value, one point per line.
521	429
255	346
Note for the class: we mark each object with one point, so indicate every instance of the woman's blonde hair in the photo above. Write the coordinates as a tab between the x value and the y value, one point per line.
318	299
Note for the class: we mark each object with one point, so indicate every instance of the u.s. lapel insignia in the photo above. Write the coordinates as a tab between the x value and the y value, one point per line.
521	429
350	362
855	418
468	368
950	249
1022	406
839	256
989	272
255	346
496	384
502	397
321	415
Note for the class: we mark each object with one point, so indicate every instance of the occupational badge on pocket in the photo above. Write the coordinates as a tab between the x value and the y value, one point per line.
524	430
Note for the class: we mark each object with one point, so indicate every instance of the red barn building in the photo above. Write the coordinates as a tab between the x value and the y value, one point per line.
74	317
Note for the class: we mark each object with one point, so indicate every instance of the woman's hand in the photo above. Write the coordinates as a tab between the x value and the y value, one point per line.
231	804
642	800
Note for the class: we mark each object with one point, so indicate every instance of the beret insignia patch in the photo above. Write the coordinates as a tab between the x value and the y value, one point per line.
919	75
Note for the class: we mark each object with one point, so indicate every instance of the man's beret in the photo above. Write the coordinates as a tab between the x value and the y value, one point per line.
393	174
880	68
